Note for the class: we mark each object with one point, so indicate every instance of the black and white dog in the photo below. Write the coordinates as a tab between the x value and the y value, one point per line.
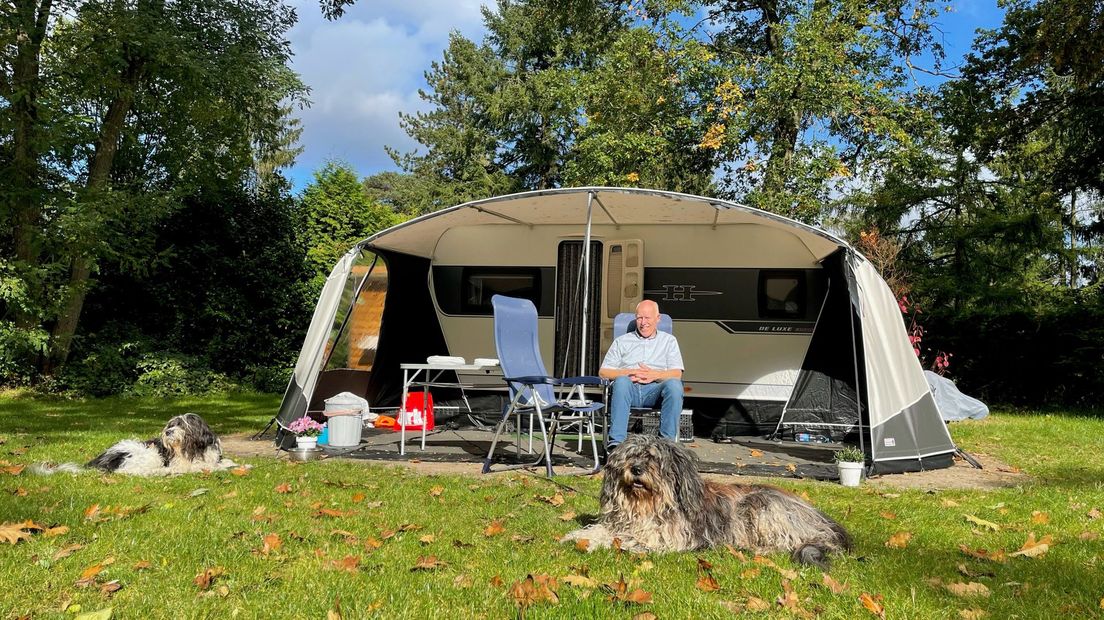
186	445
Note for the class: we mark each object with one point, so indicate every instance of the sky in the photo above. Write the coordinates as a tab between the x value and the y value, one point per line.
366	67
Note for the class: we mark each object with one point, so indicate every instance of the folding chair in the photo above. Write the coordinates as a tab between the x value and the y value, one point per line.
625	323
531	389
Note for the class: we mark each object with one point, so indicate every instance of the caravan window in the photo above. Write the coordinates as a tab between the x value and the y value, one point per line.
482	283
781	294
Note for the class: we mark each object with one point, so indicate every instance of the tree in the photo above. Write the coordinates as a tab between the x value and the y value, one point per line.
336	212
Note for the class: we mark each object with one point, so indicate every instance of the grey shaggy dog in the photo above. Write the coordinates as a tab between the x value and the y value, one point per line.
653	499
186	445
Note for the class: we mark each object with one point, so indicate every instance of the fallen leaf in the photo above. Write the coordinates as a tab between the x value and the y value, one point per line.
494	529
1039	518
141	565
463	580
429	562
949	503
240	471
496	581
372	543
582	544
111	587
20	492
272	543
983	523
756	453
567	516
1008	469
785	572
972	614
427	539
647	615
1034	548
99	614
834	586
51	532
890	495
736	553
332	512
349	564
580	581
358	497
15	532
982	554
334	613
750	573
14	470
792	468
888	515
65	552
1086	535
966	572
532	590
872	605
208	576
1094	513
967	590
91	571
436	491
518	538
757	604
283	487
198	492
899	540
707	583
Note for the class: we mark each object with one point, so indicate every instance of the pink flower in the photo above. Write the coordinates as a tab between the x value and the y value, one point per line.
305	427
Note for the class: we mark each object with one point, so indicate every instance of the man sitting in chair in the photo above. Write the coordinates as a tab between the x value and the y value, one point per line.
645	367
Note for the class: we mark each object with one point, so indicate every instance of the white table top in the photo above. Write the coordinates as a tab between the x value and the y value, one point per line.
425	366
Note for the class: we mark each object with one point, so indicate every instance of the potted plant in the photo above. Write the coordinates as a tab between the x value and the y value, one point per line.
850	462
306	432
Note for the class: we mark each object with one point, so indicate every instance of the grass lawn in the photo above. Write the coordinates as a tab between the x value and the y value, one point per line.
300	540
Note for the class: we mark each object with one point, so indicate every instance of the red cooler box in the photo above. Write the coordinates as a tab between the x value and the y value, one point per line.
415	412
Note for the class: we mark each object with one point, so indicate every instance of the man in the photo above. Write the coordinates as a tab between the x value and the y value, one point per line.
645	367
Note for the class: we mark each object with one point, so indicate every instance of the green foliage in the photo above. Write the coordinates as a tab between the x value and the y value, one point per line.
337	212
175	374
850	454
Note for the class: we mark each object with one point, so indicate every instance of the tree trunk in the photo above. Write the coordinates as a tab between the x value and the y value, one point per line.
23	175
788	120
99	175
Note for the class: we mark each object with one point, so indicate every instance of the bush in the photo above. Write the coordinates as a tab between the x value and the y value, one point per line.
104	366
176	374
268	379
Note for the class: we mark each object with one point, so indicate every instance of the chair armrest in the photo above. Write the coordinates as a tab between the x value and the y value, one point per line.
530	380
591	380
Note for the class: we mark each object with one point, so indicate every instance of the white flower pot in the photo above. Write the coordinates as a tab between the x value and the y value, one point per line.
850	474
307	443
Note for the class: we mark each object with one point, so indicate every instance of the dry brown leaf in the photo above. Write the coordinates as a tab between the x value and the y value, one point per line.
1094	513
792	468
65	552
647	615
833	585
272	543
496	581
1087	536
371	543
949	503
521	540
463	580
706	583
756	453
436	491
533	589
141	565
582	544
872	604
736	553
899	540
15	532
111	587
888	515
967	590
567	516
1034	548
427	539
349	564
494	529
14	470
208	576
358	497
240	471
20	492
983	523
555	500
334	613
332	512
750	573
580	581
1039	517
757	604
429	562
982	554
91	571
972	614
785	572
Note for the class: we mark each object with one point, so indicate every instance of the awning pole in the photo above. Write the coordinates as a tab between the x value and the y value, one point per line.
859	389
586	289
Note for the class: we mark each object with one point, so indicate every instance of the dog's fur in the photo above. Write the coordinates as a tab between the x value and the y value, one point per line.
186	445
653	499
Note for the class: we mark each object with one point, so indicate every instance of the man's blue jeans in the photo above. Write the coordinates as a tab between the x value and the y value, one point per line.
626	395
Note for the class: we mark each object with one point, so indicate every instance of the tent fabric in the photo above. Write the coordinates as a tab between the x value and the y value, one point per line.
953	404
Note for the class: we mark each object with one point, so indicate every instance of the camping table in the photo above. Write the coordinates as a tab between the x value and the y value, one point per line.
431	377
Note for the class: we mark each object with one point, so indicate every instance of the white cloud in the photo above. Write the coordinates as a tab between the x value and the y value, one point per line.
363	69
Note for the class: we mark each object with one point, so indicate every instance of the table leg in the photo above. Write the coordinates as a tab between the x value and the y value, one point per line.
402	410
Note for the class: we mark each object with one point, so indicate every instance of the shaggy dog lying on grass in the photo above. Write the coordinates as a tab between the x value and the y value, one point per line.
186	445
653	499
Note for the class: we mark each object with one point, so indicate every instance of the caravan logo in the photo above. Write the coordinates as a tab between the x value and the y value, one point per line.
680	292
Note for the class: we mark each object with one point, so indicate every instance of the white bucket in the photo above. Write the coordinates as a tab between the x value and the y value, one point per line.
850	474
345	421
345	426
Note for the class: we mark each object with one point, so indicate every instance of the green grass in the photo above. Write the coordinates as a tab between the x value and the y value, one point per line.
192	523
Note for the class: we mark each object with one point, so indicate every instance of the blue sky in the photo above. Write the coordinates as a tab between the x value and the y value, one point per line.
366	67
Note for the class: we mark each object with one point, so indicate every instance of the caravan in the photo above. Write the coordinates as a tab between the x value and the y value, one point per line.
779	322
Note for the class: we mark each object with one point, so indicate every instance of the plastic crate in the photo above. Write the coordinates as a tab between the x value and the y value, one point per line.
649	423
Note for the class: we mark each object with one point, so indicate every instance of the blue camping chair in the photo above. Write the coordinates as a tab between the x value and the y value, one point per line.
531	389
624	323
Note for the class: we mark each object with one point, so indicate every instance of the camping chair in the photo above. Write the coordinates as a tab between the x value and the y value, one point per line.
531	389
625	323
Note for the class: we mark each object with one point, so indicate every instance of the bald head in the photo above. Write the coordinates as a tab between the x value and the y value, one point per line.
647	318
